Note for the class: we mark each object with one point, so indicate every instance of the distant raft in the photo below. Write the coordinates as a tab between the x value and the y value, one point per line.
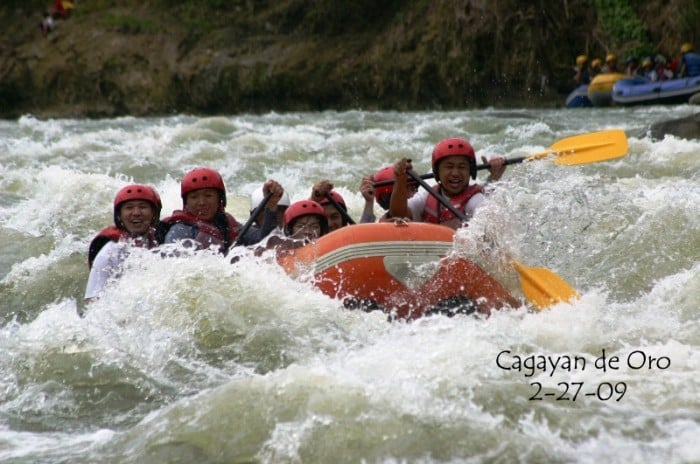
578	98
600	88
407	270
642	91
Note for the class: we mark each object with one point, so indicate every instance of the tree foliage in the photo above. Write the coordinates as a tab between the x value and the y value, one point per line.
624	28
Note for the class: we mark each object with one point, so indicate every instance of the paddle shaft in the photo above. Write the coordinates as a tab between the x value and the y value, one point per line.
571	151
340	209
251	219
517	160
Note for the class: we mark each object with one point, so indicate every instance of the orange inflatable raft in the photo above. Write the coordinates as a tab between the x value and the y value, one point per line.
405	269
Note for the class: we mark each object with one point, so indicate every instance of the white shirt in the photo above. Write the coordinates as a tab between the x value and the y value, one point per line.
108	263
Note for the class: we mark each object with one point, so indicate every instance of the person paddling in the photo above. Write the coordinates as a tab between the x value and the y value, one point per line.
136	214
453	162
582	75
204	222
256	197
383	193
304	222
689	61
335	207
333	204
610	65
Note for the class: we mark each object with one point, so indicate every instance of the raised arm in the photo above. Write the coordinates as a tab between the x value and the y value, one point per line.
398	205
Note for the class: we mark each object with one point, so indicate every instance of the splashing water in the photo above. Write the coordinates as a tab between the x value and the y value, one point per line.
197	359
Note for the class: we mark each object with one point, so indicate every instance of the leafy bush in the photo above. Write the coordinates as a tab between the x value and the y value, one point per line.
129	24
626	30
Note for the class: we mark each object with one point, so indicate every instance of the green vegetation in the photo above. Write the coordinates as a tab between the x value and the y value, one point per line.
689	19
333	17
129	24
626	30
26	5
257	55
207	5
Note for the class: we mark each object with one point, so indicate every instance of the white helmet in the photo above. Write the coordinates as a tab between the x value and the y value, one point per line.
257	196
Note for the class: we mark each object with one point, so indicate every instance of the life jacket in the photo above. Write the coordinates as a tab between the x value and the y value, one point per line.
692	64
115	234
207	232
436	213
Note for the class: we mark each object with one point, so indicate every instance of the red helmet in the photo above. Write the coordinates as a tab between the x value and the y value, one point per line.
341	202
337	197
304	208
200	178
137	192
454	147
383	193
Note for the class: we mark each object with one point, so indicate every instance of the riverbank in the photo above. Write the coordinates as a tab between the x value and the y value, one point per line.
204	58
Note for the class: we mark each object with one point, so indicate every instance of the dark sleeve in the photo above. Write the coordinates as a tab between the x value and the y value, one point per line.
253	235
180	231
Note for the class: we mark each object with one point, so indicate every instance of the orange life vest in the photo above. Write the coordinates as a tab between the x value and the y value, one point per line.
437	214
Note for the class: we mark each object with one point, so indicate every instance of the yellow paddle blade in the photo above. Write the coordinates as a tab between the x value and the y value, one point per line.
587	148
543	287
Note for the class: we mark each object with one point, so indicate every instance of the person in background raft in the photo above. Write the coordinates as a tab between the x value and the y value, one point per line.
256	197
136	213
582	74
204	222
339	218
383	192
632	66
662	72
689	62
610	65
454	162
647	69
596	67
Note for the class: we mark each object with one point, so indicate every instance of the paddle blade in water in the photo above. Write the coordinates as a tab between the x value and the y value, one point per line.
543	287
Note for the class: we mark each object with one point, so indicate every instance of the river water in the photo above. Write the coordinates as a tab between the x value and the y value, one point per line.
193	359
